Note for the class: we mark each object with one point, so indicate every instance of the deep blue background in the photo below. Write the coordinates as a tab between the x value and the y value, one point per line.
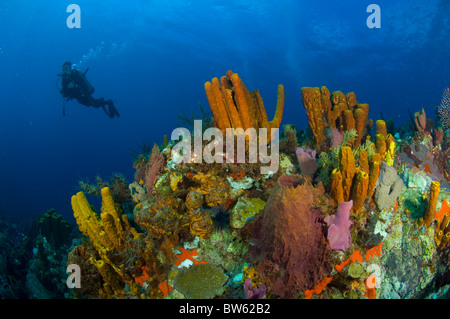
153	57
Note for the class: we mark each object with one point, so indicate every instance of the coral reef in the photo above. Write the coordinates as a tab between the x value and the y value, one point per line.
367	217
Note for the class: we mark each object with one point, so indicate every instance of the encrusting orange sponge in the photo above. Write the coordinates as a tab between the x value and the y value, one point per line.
317	289
430	211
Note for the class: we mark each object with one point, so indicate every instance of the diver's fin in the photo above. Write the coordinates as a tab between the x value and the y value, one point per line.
112	109
107	112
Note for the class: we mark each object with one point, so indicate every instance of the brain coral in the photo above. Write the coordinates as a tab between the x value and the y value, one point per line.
202	281
294	251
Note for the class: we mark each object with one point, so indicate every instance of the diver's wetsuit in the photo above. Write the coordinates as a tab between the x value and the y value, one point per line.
76	86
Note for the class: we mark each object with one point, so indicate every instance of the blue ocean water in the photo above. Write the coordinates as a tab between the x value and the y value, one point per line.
153	57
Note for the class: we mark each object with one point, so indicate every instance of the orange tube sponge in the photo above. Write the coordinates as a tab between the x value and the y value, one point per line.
337	192
216	103
359	191
337	110
430	211
337	97
349	120
312	102
380	144
234	106
445	239
230	107
360	123
365	108
370	285
275	123
261	110
351	100
446	236
348	170
440	229
247	113
363	161
376	157
326	101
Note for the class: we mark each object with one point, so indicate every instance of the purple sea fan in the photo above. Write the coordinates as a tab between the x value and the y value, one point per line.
254	292
339	224
444	109
307	161
154	166
288	235
334	136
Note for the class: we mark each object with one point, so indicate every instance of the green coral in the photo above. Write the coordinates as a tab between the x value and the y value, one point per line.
224	249
202	281
245	209
349	137
355	270
55	229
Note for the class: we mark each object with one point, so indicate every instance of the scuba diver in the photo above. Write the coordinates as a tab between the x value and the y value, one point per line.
76	86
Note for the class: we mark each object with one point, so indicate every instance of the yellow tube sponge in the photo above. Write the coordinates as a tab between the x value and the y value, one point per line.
390	150
440	229
113	285
106	233
88	221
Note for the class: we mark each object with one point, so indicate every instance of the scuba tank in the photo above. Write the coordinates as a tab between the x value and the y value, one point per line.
88	88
